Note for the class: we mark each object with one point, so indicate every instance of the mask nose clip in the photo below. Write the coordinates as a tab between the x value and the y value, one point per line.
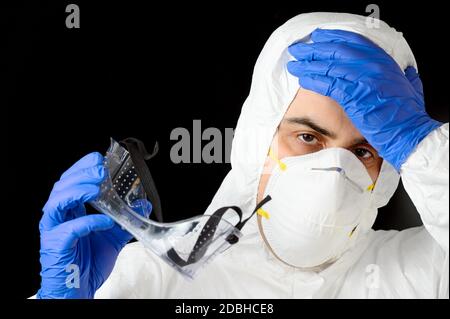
341	171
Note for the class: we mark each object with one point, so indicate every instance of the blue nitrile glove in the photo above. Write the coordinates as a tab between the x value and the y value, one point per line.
385	104
72	240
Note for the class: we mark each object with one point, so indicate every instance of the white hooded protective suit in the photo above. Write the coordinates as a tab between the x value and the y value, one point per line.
412	263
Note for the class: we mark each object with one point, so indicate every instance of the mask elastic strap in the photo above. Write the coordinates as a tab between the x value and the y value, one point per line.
273	157
139	155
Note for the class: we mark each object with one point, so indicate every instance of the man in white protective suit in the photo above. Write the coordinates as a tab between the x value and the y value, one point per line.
334	118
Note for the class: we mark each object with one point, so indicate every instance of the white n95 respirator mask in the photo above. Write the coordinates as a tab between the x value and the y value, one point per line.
317	204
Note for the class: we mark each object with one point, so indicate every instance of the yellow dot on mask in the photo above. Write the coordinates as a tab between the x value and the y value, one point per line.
282	165
263	213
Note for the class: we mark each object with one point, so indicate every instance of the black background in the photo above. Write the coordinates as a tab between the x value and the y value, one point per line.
143	70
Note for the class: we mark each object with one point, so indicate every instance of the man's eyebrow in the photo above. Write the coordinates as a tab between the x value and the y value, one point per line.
359	141
311	124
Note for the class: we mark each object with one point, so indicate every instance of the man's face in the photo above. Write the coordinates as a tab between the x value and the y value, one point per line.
314	122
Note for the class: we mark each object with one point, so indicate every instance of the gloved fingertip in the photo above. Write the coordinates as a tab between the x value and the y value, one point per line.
316	83
97	157
317	31
410	70
299	50
143	207
306	82
293	46
291	66
89	160
318	34
94	196
92	159
99	222
291	49
105	221
148	208
101	171
93	174
296	68
86	193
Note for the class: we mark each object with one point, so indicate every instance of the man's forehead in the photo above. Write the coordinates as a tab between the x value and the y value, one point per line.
322	113
317	107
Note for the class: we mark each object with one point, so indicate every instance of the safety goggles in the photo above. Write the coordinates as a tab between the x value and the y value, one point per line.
186	245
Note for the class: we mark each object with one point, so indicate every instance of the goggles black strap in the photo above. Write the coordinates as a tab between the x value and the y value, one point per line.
205	238
139	155
258	206
208	231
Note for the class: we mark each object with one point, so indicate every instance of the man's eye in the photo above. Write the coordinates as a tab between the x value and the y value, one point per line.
363	153
308	139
